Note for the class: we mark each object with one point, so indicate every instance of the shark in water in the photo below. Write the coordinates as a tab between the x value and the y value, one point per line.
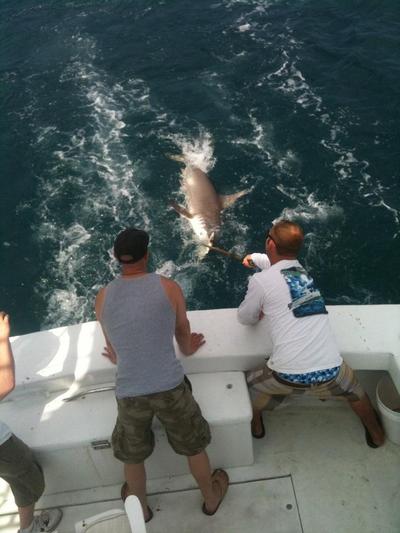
203	203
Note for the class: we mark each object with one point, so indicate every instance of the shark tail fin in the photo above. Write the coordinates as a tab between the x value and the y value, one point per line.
229	199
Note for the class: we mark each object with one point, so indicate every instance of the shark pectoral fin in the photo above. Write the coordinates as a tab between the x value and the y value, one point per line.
229	199
180	209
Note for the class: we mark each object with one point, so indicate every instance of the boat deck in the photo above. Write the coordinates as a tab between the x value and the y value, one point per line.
313	473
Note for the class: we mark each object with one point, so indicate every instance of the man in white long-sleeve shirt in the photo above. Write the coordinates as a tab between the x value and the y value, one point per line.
305	357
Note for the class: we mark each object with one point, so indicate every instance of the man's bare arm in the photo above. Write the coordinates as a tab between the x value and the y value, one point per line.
188	342
7	368
108	349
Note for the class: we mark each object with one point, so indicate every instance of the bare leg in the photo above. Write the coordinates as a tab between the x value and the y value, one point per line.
135	475
365	411
201	471
266	402
26	516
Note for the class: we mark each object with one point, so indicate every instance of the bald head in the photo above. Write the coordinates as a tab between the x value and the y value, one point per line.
288	238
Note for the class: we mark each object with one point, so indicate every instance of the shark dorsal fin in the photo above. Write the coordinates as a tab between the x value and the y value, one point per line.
229	199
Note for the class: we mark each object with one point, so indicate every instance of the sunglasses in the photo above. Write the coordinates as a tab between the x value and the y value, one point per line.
269	236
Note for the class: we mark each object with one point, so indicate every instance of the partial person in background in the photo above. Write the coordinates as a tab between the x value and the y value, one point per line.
17	463
139	313
305	358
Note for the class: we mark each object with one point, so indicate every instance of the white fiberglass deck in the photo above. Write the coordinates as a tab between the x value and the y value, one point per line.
333	482
313	472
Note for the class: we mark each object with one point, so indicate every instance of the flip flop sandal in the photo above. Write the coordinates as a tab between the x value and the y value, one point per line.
124	495
224	489
124	491
150	514
259	435
369	440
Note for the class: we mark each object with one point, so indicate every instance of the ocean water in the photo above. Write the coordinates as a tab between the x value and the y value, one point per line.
296	100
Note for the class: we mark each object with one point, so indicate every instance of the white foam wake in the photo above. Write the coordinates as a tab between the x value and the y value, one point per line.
197	151
90	181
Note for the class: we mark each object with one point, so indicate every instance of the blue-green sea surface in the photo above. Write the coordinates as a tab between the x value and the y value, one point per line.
297	101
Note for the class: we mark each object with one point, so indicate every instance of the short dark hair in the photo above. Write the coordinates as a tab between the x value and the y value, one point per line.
288	237
131	245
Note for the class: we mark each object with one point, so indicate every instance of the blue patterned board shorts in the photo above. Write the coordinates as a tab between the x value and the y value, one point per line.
267	388
310	378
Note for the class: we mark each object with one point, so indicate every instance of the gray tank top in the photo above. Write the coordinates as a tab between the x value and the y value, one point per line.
139	321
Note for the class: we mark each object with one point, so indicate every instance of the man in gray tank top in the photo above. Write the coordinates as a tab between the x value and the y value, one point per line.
140	312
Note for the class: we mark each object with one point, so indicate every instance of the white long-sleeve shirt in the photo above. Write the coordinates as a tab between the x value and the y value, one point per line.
295	314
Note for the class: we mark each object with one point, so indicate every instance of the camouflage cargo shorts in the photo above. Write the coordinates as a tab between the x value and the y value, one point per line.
187	431
19	468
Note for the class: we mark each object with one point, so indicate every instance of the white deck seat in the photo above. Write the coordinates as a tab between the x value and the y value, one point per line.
78	432
134	513
115	520
111	521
